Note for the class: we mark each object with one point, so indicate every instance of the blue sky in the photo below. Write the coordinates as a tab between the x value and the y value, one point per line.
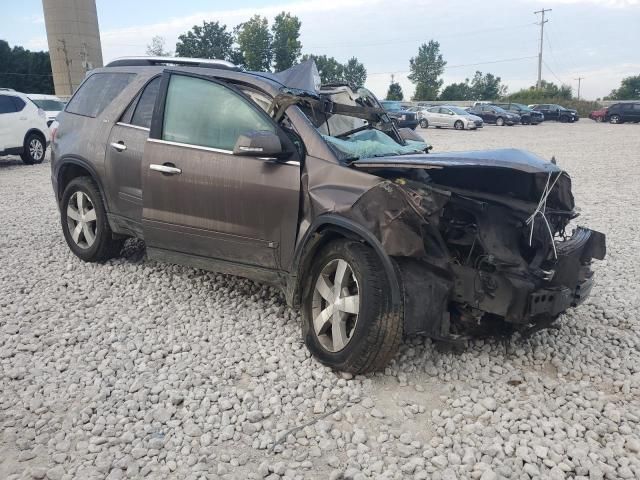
595	39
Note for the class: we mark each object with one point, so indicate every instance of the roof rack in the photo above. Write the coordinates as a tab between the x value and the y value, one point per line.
182	61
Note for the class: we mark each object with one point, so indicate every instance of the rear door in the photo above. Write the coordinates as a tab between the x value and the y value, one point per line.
125	150
635	112
13	123
216	204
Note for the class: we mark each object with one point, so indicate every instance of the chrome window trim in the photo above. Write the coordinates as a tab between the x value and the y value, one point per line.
188	145
137	127
215	150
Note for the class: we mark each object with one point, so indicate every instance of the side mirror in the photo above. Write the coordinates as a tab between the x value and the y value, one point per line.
258	143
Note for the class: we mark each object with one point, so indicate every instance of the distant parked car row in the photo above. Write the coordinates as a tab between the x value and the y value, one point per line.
618	113
471	118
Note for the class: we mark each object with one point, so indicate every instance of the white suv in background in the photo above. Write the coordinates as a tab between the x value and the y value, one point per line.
23	127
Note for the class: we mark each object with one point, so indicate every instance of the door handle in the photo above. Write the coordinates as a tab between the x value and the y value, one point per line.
120	146
167	168
23	118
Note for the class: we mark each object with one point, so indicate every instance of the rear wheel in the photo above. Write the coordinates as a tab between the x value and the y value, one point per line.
84	222
615	119
348	319
34	149
424	123
500	121
458	125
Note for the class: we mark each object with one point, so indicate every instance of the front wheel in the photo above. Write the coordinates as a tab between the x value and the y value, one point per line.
500	121
424	123
349	322
34	149
564	119
458	125
84	222
615	119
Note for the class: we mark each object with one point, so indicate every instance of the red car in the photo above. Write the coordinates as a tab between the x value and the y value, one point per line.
598	115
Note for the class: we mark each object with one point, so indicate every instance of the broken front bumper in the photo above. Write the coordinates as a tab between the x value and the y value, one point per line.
543	292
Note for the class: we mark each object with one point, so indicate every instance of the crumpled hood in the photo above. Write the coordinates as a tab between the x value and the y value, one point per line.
509	158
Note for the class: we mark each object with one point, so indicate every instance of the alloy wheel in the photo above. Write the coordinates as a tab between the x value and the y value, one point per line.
615	119
336	303
36	150
81	219
458	125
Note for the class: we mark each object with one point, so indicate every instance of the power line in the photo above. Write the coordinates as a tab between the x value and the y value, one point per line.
28	74
554	73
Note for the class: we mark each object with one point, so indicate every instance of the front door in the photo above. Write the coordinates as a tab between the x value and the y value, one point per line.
201	199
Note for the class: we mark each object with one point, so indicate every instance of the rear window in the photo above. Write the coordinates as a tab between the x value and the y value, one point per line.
49	105
6	104
97	92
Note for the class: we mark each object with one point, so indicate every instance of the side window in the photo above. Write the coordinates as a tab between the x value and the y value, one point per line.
6	104
200	112
97	92
144	109
636	107
19	103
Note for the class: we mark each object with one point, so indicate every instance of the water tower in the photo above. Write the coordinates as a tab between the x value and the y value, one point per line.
74	41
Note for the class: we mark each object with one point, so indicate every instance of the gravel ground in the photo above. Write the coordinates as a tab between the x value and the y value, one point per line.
135	369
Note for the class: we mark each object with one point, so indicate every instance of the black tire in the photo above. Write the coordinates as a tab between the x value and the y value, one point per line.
500	122
104	246
563	119
424	123
35	148
377	332
458	125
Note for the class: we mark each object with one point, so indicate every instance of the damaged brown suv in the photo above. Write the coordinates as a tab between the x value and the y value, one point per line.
313	189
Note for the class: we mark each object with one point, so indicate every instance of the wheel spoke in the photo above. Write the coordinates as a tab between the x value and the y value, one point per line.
323	320
90	216
325	288
72	213
338	281
80	201
339	333
349	304
76	232
88	234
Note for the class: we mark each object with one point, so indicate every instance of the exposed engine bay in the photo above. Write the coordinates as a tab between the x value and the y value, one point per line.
485	233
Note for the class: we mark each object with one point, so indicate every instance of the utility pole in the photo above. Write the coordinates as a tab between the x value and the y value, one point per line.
67	63
542	22
579	79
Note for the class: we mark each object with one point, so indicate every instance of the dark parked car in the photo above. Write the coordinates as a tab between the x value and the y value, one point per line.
598	115
623	112
551	111
495	115
528	116
400	115
314	190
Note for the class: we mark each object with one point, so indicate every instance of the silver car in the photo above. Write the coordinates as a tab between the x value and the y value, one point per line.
449	116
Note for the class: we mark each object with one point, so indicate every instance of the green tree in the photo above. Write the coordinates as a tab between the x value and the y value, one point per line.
330	70
487	87
286	45
211	40
457	91
156	47
354	73
548	92
395	91
254	42
426	70
24	70
629	89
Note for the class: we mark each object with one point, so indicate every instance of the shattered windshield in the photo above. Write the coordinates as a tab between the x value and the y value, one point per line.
355	126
